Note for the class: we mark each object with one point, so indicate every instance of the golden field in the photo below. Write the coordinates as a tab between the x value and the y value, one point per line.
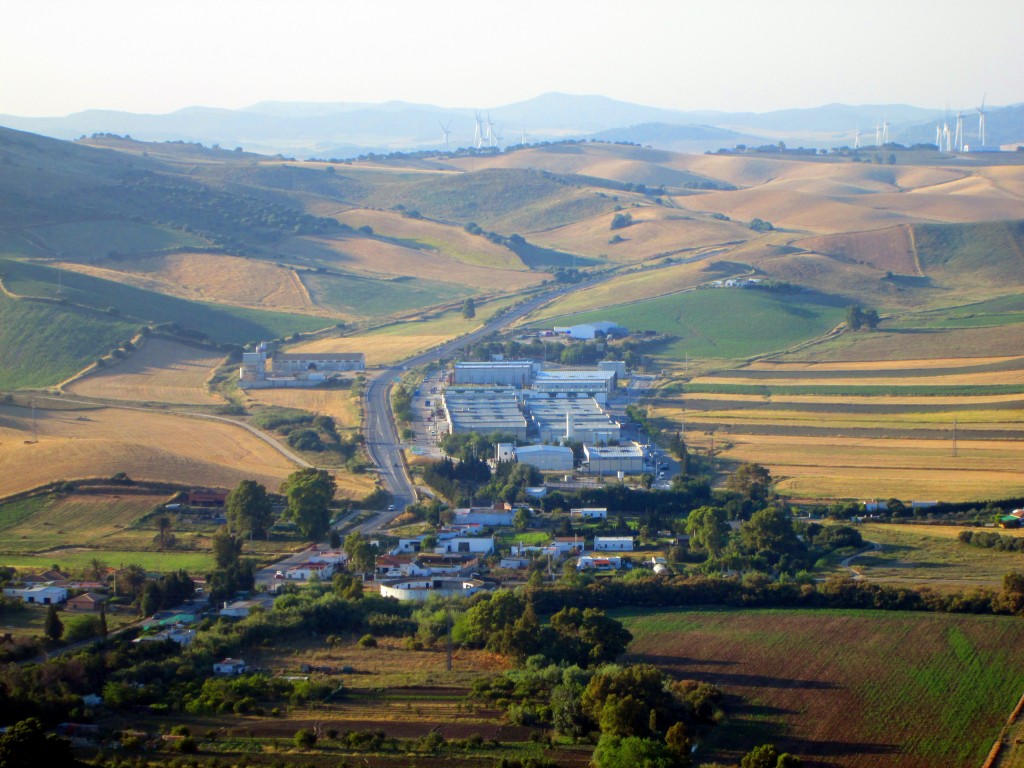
160	371
336	403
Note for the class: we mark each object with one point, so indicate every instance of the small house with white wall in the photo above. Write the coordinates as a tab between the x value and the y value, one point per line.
613	543
41	595
229	667
593	563
590	513
476	545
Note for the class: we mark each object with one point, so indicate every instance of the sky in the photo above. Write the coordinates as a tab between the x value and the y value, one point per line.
156	56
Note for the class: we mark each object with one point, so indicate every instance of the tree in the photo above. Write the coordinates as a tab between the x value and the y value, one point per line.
359	551
871	319
226	548
621	221
469	308
764	756
248	509
129	580
751	481
309	492
27	745
521	519
770	533
635	752
855	317
53	627
163	525
708	530
97	569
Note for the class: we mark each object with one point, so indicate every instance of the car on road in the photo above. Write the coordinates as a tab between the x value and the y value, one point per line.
391	507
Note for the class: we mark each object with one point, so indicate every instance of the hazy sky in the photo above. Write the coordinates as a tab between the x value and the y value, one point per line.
62	56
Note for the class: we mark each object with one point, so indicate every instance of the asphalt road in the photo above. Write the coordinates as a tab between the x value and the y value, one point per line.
382	440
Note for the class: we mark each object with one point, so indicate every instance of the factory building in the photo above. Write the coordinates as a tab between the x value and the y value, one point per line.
294	370
484	411
609	460
591	330
546	458
304	363
509	373
597	384
561	418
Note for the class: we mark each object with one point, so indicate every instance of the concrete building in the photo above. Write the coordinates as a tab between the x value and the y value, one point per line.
509	373
229	667
40	595
302	369
609	460
88	601
483	516
466	545
591	330
422	589
613	365
581	419
573	382
484	411
591	563
590	513
504	452
613	543
546	458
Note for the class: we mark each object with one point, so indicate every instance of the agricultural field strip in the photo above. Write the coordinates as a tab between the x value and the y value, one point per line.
891	379
904	368
983	401
942	432
792	408
872	365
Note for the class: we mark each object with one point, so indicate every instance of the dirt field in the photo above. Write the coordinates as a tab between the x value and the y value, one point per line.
161	371
845	688
210	277
147	446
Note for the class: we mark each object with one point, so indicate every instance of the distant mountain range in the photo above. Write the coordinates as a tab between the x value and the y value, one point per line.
340	130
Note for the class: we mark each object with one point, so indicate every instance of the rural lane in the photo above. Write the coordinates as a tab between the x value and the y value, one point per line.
845	562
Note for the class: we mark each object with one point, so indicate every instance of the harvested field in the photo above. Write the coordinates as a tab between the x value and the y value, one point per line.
90	520
889	249
209	277
78	559
844	688
161	371
916	343
147	446
336	403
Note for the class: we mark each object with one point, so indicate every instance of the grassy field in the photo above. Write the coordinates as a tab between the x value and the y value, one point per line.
221	322
99	521
162	371
71	339
97	240
931	556
725	323
845	688
78	559
339	404
358	296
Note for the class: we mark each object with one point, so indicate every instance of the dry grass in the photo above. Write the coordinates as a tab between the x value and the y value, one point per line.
376	258
886	249
877	365
934	344
961	379
210	277
655	231
336	403
401	340
147	446
448	241
161	371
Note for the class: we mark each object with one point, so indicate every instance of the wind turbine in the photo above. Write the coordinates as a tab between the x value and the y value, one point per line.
938	137
490	131
446	130
885	132
878	135
856	139
958	142
478	132
981	121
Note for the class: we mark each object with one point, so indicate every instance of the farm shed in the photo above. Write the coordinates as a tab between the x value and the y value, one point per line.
613	543
39	595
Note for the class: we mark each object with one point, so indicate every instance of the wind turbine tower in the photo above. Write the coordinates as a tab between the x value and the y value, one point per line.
878	135
856	139
981	122
446	131
958	141
938	137
478	132
491	139
885	132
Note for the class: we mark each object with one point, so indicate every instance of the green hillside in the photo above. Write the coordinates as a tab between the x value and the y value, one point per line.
984	255
222	323
377	298
724	323
42	344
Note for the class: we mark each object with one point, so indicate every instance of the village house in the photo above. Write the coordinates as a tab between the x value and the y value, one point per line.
229	667
90	601
592	563
613	543
39	595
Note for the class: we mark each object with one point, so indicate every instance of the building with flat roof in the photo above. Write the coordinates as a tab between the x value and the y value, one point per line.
300	369
591	330
574	382
608	460
510	373
546	458
581	419
484	411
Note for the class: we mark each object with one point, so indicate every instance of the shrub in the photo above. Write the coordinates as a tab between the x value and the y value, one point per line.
367	641
305	738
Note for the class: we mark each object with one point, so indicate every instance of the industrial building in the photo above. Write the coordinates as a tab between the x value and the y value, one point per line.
509	373
571	382
546	458
484	411
294	370
619	366
581	419
609	460
591	330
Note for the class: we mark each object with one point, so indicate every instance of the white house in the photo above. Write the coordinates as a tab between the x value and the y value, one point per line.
613	543
484	516
591	563
240	608
306	571
482	545
421	589
179	635
590	513
39	595
229	667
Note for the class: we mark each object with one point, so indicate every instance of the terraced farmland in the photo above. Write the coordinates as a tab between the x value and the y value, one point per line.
940	429
845	688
